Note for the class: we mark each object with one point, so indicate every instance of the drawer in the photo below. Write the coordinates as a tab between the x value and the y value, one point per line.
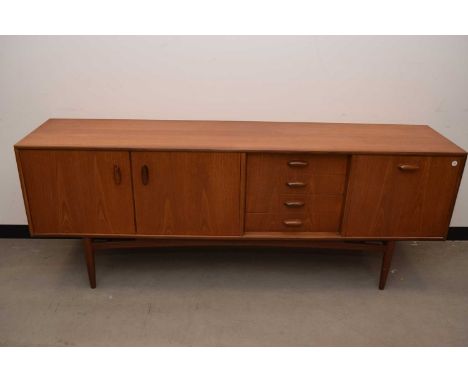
273	165
326	221
310	184
292	203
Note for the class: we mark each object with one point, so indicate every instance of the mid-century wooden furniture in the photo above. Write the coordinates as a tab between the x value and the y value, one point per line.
187	183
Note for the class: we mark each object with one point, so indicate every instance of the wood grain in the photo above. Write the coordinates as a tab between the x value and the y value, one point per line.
238	136
384	201
75	191
188	193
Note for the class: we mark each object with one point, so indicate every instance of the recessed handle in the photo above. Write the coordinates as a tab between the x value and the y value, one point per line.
408	167
297	163
292	223
117	175
295	184
294	204
144	175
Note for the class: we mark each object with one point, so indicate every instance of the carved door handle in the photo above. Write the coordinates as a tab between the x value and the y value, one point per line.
297	163
294	204
295	184
144	175
408	167
117	175
293	223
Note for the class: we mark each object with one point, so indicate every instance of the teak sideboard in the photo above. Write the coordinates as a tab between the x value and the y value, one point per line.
137	183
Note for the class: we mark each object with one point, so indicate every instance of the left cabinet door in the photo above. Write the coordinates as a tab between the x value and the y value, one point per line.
78	192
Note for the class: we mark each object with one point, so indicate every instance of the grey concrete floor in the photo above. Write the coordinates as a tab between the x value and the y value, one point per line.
232	297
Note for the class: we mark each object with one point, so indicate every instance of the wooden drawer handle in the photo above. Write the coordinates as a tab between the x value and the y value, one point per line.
408	167
295	184
294	204
297	163
144	175
292	223
117	175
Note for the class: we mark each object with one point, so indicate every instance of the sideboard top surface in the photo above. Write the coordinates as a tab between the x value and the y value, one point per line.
237	136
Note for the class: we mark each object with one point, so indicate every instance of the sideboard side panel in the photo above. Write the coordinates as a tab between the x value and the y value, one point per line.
24	190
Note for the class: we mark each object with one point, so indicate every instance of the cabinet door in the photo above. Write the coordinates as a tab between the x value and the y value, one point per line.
401	196
187	193
78	192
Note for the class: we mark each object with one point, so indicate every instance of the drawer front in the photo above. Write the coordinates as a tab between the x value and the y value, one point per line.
285	186
308	204
307	183
292	222
401	196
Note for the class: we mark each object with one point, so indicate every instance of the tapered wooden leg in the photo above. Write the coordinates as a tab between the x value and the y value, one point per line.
386	263
89	255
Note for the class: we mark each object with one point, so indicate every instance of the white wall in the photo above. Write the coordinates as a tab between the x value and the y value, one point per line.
422	80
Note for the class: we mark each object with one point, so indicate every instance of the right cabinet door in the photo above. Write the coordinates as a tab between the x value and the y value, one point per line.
401	196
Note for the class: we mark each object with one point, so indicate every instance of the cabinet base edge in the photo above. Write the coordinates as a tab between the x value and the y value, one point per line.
21	231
